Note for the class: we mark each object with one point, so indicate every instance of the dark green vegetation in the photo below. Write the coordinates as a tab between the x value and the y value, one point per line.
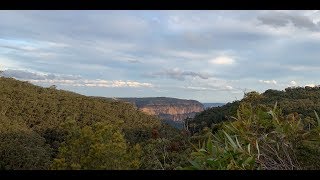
301	100
260	138
46	128
272	130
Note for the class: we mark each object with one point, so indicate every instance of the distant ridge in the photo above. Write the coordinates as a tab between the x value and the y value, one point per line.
167	108
210	105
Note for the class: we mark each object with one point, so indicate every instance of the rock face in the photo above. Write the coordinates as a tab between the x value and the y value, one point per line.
167	108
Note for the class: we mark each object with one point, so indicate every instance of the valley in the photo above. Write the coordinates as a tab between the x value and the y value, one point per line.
63	130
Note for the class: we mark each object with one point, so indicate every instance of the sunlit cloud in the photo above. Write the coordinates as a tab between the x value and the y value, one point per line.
222	60
71	80
268	81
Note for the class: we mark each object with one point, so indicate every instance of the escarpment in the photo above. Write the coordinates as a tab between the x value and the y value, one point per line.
167	108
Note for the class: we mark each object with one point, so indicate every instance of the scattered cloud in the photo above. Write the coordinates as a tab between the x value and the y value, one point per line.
222	60
293	83
217	88
178	74
303	68
187	54
70	80
281	19
27	75
268	81
310	85
93	83
133	61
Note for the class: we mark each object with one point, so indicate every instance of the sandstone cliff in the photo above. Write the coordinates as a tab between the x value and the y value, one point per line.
167	108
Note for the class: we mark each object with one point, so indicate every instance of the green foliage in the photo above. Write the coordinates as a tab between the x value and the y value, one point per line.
101	146
252	96
46	108
318	119
21	148
168	149
300	100
214	115
43	110
259	139
223	153
42	128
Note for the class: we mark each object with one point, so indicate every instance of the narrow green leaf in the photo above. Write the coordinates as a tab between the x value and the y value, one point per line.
203	150
238	143
203	144
238	114
232	117
233	144
210	146
275	106
318	119
257	146
195	165
247	161
194	147
197	154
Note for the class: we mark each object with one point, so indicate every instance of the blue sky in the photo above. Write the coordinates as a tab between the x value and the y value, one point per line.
210	56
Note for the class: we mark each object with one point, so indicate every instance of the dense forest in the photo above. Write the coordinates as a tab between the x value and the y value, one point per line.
301	100
46	128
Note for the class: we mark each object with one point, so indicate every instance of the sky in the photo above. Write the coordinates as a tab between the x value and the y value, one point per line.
209	56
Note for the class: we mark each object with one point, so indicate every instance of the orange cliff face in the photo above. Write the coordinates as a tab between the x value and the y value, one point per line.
168	108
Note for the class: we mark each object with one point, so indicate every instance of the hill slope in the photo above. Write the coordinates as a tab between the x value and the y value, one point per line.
45	108
302	100
32	119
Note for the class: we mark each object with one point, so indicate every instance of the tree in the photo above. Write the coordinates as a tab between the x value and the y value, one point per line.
252	96
100	146
21	148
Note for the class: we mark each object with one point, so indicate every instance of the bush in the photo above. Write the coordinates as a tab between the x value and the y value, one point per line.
101	146
259	139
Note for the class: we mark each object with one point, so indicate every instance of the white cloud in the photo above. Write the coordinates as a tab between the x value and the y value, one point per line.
211	88
92	83
303	68
311	85
268	81
178	74
70	80
293	83
229	87
186	54
222	60
6	63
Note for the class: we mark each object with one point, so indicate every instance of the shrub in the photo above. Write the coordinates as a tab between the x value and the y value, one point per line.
258	139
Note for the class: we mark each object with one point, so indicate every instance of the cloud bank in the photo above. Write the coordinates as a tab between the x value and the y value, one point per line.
202	55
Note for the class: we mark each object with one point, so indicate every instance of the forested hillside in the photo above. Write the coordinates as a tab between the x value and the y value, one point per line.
45	128
301	100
